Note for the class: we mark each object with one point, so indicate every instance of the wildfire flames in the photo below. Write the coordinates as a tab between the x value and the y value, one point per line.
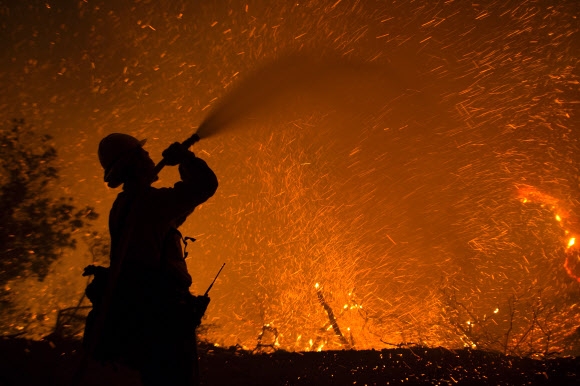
568	223
365	210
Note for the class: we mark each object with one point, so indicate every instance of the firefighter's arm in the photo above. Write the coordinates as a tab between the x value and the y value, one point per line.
198	183
197	175
194	171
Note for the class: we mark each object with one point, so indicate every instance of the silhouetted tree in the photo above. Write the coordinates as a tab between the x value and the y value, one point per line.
34	224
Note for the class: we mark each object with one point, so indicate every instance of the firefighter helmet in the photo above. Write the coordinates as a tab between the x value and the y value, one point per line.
114	147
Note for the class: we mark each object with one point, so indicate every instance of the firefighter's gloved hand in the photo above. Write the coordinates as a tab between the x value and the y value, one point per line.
174	154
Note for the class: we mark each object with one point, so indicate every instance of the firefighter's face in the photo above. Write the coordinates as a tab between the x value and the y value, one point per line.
148	163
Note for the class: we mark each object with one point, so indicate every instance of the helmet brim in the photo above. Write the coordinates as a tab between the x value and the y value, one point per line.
111	168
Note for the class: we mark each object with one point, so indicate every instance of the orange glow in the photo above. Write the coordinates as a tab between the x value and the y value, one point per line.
428	178
530	194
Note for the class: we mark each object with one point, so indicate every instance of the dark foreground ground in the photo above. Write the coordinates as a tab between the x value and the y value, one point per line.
24	362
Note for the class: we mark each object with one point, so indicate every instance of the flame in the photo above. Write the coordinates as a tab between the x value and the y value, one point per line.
529	194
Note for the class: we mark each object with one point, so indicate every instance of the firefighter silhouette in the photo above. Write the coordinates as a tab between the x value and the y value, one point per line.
143	313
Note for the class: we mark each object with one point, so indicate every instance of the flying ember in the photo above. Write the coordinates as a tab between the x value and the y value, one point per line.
390	173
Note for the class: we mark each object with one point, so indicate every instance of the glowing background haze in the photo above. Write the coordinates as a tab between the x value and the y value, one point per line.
395	189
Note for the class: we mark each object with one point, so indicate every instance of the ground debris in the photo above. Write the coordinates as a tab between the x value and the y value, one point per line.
52	363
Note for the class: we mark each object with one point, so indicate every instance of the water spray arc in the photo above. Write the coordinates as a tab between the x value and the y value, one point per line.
292	75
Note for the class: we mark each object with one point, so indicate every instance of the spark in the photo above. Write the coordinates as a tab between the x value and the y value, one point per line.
394	197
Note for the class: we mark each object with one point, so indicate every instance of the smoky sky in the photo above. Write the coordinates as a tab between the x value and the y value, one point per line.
380	149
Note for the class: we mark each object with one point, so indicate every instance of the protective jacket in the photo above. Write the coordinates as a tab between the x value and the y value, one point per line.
143	225
150	319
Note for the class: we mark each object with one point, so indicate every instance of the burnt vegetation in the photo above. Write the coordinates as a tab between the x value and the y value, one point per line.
55	361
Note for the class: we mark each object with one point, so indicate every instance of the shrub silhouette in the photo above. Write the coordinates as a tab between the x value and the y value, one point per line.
34	224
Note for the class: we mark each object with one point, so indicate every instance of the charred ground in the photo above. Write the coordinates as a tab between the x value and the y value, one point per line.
49	363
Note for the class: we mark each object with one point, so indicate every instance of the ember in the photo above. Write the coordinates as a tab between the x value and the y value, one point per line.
364	209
